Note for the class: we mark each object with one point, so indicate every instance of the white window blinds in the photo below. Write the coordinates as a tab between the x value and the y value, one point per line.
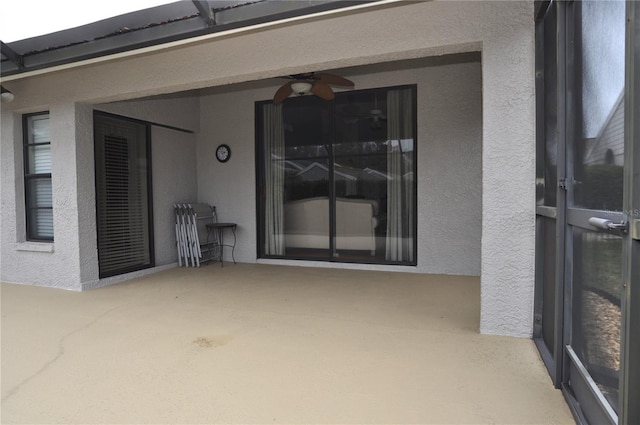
39	196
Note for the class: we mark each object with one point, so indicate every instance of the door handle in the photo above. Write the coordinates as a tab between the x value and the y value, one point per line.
635	229
606	224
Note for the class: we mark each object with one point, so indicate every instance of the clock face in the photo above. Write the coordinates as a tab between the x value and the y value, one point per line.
223	153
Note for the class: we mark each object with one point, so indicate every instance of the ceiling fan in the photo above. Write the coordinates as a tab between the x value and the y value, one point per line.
318	84
352	115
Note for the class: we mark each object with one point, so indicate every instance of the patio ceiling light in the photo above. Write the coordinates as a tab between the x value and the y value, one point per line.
301	88
6	95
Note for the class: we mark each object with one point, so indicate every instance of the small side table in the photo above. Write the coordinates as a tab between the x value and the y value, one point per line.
218	232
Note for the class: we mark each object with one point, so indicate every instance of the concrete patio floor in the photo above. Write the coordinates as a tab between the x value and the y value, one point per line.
267	344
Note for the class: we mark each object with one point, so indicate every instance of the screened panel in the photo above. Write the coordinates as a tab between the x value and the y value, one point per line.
599	148
549	282
631	338
122	192
597	287
547	164
597	236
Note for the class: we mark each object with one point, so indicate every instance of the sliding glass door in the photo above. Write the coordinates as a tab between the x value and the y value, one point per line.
336	179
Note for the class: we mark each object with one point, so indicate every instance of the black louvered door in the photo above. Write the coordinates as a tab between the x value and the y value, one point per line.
123	200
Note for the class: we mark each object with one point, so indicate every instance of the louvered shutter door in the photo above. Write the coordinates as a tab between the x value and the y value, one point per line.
122	196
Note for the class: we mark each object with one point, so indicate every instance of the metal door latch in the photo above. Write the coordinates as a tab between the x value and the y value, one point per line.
605	224
562	184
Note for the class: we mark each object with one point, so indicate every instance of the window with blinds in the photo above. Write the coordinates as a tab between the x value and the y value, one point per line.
122	154
37	177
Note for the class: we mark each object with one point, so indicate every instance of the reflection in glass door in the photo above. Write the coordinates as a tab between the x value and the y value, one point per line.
373	176
307	188
336	178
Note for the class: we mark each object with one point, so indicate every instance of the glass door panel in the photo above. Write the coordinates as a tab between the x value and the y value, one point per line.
360	175
306	183
361	196
374	176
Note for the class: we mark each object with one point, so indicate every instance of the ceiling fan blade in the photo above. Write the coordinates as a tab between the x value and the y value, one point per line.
322	90
334	79
283	93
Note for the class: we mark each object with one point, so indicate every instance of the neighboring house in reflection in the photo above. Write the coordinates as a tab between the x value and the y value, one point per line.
608	146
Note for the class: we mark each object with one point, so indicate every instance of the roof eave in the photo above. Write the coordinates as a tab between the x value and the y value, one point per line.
245	17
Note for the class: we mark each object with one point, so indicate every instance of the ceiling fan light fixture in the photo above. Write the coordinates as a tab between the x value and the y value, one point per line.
310	83
301	87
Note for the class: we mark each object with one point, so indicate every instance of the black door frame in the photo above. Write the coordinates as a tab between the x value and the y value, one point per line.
97	115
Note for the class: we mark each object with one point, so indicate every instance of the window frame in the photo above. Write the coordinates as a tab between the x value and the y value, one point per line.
27	176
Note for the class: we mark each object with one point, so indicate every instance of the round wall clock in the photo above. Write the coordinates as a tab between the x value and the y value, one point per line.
223	153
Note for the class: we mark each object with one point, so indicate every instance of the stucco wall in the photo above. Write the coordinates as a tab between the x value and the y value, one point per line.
174	180
449	158
503	31
71	262
47	264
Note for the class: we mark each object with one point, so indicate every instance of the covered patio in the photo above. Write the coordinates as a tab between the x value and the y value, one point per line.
255	343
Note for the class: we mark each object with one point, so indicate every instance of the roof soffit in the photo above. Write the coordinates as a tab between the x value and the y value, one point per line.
176	21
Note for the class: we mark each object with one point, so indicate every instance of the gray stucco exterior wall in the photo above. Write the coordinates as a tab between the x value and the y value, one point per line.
502	31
